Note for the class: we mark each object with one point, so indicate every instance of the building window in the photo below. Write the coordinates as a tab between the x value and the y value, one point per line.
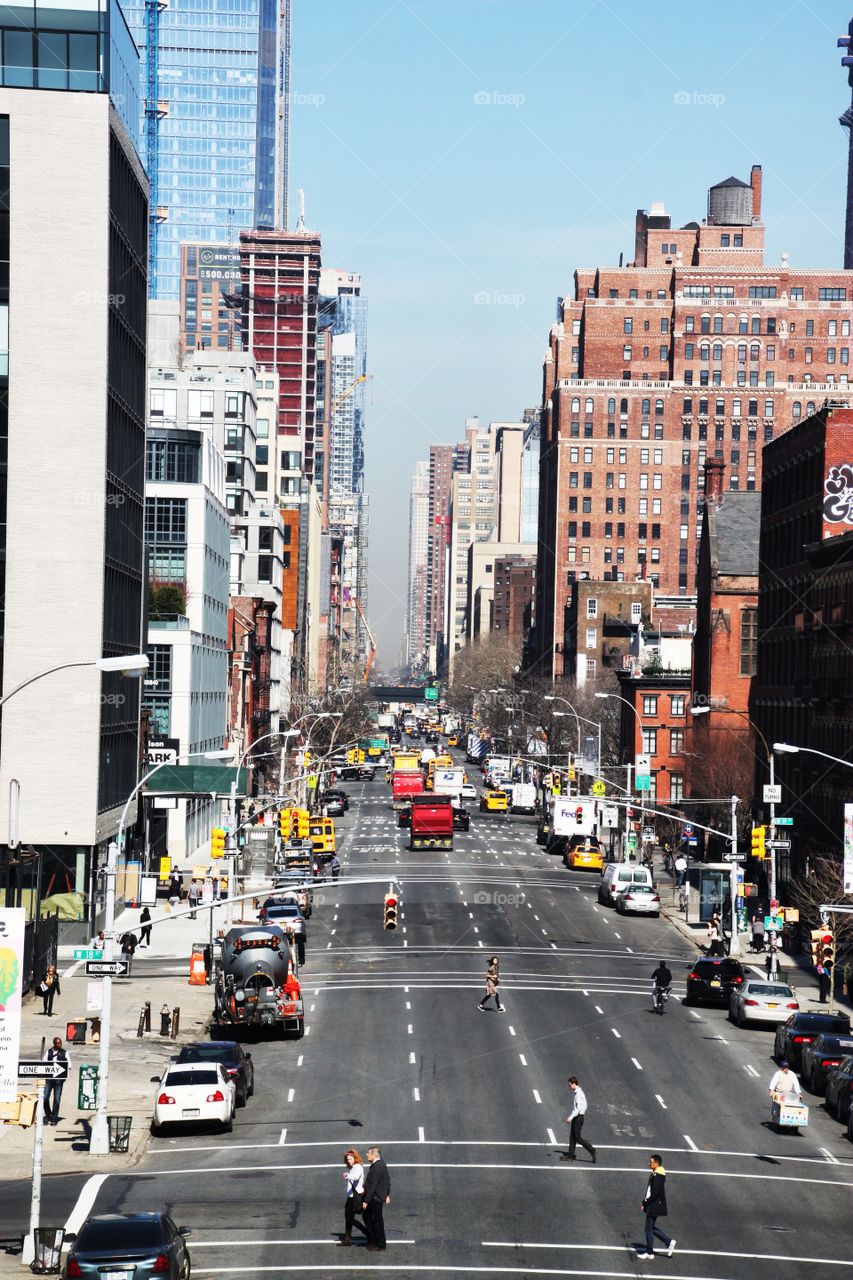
591	638
590	667
677	704
650	742
832	295
650	704
676	788
676	742
748	641
592	607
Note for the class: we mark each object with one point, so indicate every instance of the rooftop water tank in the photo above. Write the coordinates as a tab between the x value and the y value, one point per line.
730	203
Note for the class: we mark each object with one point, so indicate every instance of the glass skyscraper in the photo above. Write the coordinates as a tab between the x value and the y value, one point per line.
208	123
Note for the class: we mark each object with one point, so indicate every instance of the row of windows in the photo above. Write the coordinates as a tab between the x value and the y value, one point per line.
585	556
796	293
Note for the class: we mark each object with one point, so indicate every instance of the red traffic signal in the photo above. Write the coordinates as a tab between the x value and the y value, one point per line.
579	813
390	911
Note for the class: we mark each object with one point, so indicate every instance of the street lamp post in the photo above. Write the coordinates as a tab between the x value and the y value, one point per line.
134	664
99	1142
618	697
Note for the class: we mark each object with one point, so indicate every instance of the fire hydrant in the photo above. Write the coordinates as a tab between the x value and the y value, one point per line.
165	1020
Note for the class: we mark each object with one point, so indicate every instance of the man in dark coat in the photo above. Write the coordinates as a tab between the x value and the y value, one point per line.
654	1207
377	1193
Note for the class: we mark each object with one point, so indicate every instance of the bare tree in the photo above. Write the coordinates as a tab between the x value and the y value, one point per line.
820	886
724	769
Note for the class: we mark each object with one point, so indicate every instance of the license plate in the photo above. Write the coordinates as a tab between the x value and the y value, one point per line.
715	982
189	1113
118	1275
772	1005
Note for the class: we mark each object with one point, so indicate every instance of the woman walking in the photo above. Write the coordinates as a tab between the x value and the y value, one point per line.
48	988
145	932
354	1175
493	977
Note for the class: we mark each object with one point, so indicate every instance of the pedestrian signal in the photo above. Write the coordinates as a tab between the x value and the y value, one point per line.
390	912
217	842
759	848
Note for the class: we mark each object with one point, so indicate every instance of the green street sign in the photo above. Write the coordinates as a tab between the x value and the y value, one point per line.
784	822
431	694
87	953
643	782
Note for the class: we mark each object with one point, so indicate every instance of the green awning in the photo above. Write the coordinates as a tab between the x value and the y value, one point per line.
197	780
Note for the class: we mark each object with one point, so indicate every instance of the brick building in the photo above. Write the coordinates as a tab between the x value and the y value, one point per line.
802	690
250	661
514	589
696	349
660	698
603	625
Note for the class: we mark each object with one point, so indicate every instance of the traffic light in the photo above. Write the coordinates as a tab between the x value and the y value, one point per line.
217	842
390	912
572	773
759	849
352	756
579	813
284	820
823	946
299	823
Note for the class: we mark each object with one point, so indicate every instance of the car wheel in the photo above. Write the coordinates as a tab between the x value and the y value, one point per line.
741	1018
688	999
250	1092
241	1098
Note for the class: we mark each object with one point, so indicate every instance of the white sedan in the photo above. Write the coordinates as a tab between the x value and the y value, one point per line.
758	1000
469	791
640	899
193	1093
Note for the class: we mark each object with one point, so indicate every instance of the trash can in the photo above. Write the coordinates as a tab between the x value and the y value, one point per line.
119	1131
47	1244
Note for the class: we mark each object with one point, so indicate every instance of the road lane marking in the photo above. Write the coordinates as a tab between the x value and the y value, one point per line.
552	1137
536	1097
421	1135
694	1014
721	1039
523	1059
598	1009
616	1033
282	1138
830	1157
511	1030
412	1058
661	1101
86	1199
617	935
636	1064
751	1070
300	1060
691	1144
416	1094
290	1095
408	1004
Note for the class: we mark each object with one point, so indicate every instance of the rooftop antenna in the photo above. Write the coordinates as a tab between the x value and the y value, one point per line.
846	121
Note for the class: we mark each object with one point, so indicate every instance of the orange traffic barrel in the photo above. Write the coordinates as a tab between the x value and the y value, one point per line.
198	977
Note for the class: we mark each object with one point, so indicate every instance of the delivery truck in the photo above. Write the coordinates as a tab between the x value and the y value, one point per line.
431	823
523	797
404	785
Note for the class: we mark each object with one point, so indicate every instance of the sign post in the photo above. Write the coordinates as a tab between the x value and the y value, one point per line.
39	1070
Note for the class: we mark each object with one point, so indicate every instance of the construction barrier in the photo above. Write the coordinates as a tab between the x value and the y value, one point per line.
198	977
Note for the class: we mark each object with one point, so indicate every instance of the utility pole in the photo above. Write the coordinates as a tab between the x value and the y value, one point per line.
734	946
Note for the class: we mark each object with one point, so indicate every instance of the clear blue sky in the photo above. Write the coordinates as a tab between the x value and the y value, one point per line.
451	149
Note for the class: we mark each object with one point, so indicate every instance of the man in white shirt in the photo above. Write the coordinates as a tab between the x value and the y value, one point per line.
575	1120
785	1082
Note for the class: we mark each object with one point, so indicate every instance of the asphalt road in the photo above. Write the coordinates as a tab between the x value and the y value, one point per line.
470	1108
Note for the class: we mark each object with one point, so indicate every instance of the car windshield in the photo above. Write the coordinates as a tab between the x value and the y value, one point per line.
287	907
185	1079
769	989
836	1044
207	1052
115	1234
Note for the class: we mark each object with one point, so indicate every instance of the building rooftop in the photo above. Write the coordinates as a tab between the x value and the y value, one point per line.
729	182
736	524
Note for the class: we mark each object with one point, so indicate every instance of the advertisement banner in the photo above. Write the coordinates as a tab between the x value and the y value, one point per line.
12	922
848	848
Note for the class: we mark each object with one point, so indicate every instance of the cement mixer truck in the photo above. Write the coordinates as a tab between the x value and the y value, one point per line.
256	984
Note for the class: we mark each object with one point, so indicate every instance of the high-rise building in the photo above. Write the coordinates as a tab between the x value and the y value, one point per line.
695	349
209	122
211	298
72	187
416	611
443	461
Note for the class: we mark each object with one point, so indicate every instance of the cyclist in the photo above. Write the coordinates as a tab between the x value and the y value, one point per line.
661	982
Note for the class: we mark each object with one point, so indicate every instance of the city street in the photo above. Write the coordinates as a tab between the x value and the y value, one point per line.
470	1108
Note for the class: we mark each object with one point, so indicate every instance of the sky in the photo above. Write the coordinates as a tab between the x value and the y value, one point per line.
465	156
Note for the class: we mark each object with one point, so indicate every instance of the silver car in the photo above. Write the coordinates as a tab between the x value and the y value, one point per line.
758	1000
641	899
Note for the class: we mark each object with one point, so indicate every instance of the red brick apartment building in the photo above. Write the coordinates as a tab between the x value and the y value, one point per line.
696	349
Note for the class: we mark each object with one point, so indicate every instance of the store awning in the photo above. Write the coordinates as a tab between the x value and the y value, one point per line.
197	780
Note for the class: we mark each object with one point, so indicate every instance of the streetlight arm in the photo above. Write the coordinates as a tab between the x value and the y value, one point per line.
63	666
785	748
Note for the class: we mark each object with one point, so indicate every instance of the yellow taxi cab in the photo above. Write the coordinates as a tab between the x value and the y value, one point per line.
322	833
587	855
494	802
453	740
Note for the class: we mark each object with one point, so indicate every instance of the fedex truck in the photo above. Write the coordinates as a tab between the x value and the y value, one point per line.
573	816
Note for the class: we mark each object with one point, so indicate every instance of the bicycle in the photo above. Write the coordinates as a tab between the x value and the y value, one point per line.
660	996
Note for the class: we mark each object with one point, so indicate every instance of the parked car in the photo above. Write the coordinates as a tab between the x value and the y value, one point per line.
804	1028
821	1056
713	978
141	1245
461	819
839	1091
759	1000
237	1063
586	854
494	802
618	875
194	1093
638	899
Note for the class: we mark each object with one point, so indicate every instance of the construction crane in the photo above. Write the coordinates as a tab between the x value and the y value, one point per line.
347	392
371	657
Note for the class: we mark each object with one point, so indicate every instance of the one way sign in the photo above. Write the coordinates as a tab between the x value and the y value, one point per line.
43	1070
104	968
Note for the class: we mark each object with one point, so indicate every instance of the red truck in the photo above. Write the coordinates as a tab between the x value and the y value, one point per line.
432	822
405	785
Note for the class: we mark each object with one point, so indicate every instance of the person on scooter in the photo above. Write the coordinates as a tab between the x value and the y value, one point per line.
661	981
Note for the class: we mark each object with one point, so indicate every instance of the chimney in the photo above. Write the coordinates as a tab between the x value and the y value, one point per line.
755	183
714	468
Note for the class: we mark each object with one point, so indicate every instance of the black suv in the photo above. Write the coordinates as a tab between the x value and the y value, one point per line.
237	1063
804	1028
461	819
335	793
713	978
819	1058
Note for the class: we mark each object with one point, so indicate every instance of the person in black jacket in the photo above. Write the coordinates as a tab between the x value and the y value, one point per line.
377	1193
654	1207
49	988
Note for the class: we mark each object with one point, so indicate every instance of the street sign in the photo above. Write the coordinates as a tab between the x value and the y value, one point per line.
36	1070
777	844
598	788
102	968
734	857
772	794
87	953
692	841
688	830
784	822
643	773
773	924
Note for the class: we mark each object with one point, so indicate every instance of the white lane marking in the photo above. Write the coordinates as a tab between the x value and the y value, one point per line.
416	1094
412	1057
661	1101
830	1157
406	942
290	1095
307	1031
410	1028
552	1137
617	935
630	950
480	944
586	993
636	1064
282	1138
408	1004
554	946
598	1009
751	1070
721	1039
691	1144
704	1253
536	1097
85	1200
511	1030
535	917
406	990
616	1033
523	1059
421	1135
328	946
694	1014
311	1008
300	1060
